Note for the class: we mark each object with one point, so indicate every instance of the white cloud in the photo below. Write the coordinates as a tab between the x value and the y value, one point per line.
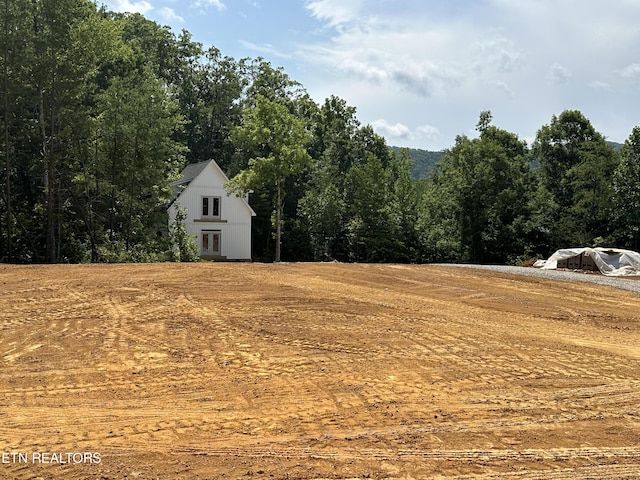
600	85
454	59
210	3
428	132
426	80
408	48
170	15
383	56
399	131
499	54
266	49
334	12
631	71
142	6
504	87
558	74
384	128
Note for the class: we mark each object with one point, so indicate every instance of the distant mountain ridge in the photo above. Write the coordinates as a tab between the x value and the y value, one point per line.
423	160
615	145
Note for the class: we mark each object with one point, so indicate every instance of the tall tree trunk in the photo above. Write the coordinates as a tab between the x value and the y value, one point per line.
49	186
114	173
51	167
7	147
278	216
46	141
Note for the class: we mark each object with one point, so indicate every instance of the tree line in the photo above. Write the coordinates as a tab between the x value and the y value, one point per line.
102	110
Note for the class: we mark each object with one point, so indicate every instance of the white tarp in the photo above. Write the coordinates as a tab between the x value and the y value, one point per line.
610	261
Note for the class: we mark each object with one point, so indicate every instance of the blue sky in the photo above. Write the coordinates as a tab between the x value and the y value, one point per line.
420	71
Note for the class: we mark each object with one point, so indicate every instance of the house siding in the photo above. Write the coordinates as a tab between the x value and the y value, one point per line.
235	215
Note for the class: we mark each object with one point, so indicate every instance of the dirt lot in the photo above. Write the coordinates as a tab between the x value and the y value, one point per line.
314	371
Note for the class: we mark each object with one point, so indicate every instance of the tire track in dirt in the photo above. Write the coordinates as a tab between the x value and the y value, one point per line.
601	472
125	338
616	463
446	349
391	368
527	455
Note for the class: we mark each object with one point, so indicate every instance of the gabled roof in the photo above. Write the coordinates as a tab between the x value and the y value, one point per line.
191	172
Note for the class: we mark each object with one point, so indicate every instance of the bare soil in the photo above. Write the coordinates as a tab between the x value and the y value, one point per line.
306	371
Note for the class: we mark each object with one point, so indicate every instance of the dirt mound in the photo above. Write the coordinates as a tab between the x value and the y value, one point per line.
314	371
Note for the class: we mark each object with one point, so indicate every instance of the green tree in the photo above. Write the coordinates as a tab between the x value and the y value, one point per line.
372	233
438	218
368	142
323	212
127	150
99	38
261	79
56	78
185	244
476	204
405	196
279	138
153	47
359	201
323	208
80	84
138	154
626	193
15	26
272	83
334	126
576	167
208	90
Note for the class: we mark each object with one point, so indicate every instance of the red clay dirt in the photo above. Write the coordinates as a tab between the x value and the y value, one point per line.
306	371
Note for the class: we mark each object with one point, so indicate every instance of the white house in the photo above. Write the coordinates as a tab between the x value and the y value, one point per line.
220	221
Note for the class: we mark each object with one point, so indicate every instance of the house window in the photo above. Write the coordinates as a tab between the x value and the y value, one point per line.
211	207
211	242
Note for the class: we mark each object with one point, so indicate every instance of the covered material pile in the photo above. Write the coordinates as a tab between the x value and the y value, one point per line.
614	262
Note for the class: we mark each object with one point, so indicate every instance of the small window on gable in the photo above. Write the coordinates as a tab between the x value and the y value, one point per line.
211	207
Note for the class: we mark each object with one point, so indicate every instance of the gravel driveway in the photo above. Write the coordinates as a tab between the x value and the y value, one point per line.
629	283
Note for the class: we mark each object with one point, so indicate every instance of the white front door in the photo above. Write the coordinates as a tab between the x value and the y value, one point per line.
211	242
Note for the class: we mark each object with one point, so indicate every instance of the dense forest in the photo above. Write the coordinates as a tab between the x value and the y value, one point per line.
101	111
